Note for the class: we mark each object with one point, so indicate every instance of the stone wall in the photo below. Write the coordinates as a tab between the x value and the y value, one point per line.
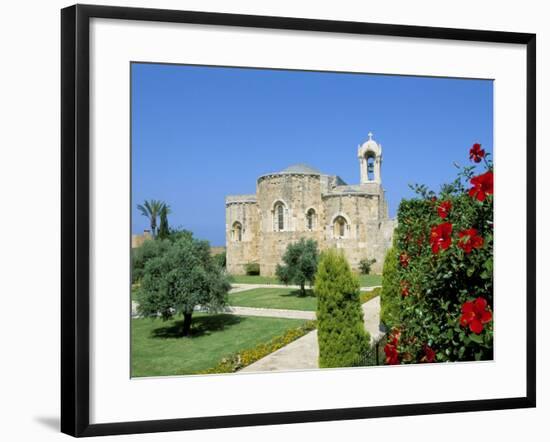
138	239
239	253
298	193
217	250
368	231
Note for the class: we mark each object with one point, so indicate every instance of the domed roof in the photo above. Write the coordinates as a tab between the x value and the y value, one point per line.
301	168
370	146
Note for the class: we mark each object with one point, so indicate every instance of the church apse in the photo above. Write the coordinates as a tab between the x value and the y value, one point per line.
302	202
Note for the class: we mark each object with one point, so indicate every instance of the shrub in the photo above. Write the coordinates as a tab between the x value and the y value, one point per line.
299	263
221	260
252	268
178	233
140	255
341	331
390	296
184	277
444	251
365	265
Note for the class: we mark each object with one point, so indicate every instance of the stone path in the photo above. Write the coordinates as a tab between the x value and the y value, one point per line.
241	287
270	312
371	317
303	353
253	311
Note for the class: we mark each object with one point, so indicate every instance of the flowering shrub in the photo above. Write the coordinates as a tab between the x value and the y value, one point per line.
392	355
441	271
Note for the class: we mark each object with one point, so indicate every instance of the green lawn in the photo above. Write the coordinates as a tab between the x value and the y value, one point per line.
159	350
370	280
283	298
288	299
365	280
253	279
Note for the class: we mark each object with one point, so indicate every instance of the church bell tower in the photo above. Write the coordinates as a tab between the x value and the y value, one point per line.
370	161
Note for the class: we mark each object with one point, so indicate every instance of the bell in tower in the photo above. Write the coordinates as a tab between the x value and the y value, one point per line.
370	161
370	168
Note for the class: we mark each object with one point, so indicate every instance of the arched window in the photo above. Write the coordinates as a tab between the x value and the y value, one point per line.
237	231
310	219
340	227
279	216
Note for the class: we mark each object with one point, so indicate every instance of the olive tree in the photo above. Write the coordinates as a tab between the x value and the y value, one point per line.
148	250
299	263
184	277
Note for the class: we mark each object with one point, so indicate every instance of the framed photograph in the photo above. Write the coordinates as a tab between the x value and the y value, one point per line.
272	220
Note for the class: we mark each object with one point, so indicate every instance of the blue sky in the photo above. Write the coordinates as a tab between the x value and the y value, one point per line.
201	133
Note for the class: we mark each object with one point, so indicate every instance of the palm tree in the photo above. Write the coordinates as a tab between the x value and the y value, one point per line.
151	209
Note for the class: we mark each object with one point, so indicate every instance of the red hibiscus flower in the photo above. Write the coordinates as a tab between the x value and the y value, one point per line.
404	289
404	259
469	240
477	153
440	237
483	186
392	355
475	314
394	336
444	208
429	354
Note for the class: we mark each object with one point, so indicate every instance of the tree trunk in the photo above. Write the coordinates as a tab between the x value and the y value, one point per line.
187	323
303	289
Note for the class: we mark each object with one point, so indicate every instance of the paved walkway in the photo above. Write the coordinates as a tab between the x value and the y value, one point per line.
241	287
303	353
270	312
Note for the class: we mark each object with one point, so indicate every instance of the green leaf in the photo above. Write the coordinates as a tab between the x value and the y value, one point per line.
478	339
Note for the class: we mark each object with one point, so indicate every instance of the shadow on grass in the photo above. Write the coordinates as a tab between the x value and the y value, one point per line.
200	326
298	294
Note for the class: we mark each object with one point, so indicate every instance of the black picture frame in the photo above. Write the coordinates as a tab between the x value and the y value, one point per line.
75	212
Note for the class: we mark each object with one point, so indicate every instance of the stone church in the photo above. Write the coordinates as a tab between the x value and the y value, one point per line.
301	201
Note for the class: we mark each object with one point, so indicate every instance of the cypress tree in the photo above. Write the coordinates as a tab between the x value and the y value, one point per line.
164	230
390	296
343	340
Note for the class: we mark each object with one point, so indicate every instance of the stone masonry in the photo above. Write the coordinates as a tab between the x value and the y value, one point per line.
301	202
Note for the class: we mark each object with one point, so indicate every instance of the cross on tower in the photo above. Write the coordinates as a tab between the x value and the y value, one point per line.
370	136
